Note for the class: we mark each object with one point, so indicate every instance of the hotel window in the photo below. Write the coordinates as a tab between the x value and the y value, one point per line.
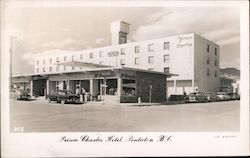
57	60
166	58
166	45
57	68
43	61
64	68
151	47
166	70
101	63
215	62
37	70
150	69
215	73
81	56
122	51
207	72
207	60
50	69
100	53
50	60
37	62
137	49
65	58
208	48
73	68
150	59
215	51
122	62
72	58
44	69
91	55
137	61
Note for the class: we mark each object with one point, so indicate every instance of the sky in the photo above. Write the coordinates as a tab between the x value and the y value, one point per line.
44	29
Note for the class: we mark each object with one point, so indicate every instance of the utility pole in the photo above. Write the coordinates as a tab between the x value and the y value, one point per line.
150	93
11	50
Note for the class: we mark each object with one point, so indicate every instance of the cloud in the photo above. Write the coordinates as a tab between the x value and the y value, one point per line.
67	43
64	29
28	57
228	41
99	40
216	24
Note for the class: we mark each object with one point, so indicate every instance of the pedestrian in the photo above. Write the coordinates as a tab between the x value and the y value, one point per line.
185	93
77	91
83	93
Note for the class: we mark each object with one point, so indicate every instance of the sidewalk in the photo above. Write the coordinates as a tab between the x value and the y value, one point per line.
43	100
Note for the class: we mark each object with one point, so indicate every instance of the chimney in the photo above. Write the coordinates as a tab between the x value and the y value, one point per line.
119	31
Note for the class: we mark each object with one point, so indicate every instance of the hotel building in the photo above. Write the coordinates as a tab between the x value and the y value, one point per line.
192	59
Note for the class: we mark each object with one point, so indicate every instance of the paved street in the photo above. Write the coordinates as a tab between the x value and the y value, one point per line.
40	116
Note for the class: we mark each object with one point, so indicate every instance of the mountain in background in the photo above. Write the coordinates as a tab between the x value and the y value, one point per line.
230	72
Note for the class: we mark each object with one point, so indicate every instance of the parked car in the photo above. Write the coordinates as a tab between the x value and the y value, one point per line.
210	97
197	97
234	96
63	96
22	95
223	96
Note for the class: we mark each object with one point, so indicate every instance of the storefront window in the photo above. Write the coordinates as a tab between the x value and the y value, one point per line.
128	87
111	86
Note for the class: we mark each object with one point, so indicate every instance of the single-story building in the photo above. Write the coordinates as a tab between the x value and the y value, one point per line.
111	84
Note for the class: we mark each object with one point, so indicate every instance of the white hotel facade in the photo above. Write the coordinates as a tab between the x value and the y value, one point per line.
194	59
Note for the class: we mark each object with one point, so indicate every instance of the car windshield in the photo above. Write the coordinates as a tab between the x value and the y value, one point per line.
208	94
221	93
63	92
195	94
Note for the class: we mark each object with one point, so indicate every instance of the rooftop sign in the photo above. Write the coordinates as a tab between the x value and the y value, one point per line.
113	53
184	41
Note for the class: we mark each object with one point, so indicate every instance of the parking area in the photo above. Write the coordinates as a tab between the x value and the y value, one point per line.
41	116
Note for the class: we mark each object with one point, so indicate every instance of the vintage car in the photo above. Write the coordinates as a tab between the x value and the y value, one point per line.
63	96
211	97
234	96
22	95
223	96
197	97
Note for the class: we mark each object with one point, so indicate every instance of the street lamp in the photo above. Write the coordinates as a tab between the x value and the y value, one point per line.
11	50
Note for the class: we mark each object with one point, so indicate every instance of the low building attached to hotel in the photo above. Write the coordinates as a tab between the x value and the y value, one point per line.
111	84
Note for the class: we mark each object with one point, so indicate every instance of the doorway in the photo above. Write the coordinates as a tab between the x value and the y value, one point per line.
39	87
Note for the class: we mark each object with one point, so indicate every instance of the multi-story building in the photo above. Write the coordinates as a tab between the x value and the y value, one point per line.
193	59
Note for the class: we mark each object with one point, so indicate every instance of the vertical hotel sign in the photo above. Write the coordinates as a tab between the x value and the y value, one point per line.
184	41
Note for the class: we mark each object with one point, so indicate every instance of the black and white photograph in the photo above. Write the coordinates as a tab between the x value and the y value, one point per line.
125	76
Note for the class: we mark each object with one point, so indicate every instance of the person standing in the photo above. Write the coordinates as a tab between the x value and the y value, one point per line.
77	91
83	93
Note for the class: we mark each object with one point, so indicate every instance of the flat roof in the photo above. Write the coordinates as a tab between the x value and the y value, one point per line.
98	69
81	64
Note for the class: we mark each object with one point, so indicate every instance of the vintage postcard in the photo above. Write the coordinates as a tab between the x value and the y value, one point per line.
124	78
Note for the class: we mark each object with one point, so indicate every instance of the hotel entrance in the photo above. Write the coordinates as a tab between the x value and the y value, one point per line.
39	85
107	90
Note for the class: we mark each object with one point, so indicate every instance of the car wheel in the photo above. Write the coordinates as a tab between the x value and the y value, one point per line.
62	101
29	98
